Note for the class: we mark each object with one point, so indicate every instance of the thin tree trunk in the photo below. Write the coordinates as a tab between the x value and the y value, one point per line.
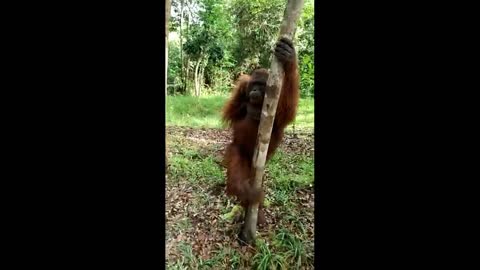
272	93
187	65
181	43
187	78
196	78
168	4
201	79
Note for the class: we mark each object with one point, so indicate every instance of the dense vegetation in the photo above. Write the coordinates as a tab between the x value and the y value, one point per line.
211	42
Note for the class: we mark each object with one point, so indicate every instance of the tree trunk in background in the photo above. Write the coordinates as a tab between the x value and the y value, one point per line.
187	69
201	80
196	78
185	61
181	46
187	78
272	93
168	4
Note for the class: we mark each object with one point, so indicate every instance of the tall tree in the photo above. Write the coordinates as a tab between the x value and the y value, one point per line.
207	40
168	4
184	13
272	93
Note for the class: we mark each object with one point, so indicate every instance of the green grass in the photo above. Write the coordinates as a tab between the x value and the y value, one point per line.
292	248
195	111
194	161
288	245
266	259
206	112
290	171
196	168
305	115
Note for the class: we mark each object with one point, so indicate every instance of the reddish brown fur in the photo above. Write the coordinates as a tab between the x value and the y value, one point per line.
238	156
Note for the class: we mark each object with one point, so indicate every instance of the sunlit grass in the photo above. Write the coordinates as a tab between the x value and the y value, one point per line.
205	112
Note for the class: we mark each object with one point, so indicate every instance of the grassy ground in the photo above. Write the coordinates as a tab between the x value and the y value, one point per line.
198	236
205	112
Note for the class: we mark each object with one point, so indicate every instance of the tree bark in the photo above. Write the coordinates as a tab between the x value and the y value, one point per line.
196	78
186	87
168	4
181	45
202	76
272	94
187	77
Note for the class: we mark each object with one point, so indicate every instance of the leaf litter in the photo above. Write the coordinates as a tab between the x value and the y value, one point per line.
194	212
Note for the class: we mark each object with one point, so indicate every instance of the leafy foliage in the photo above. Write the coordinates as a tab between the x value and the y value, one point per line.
230	37
174	68
305	46
257	24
